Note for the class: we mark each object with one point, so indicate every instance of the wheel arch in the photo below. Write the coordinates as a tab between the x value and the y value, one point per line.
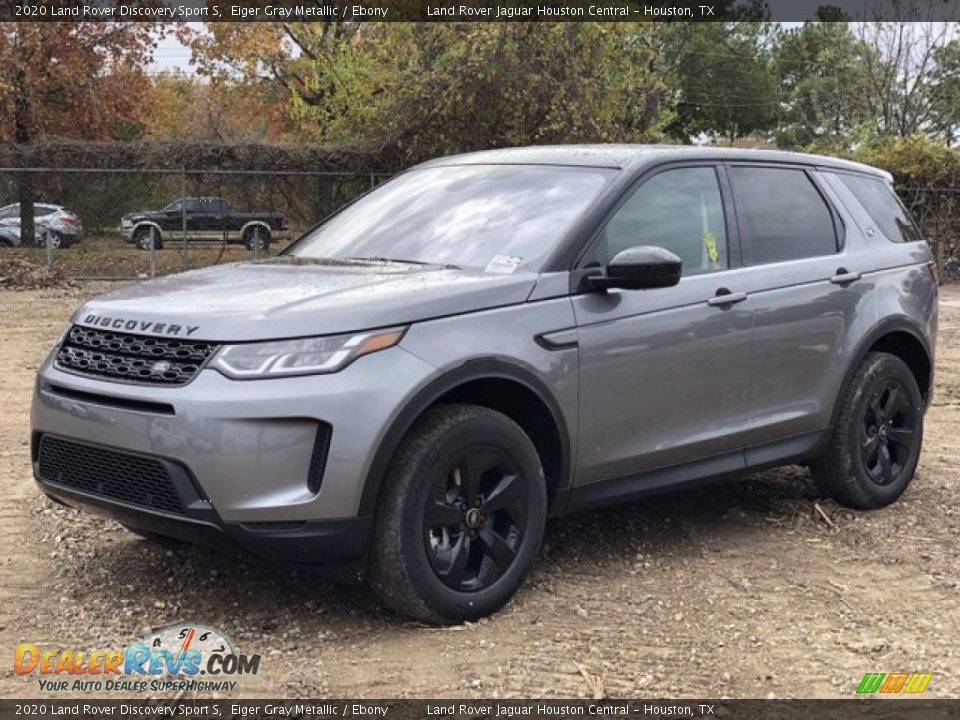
499	385
252	224
146	224
901	337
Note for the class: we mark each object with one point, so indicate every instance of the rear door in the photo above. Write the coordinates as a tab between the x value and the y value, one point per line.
664	372
807	290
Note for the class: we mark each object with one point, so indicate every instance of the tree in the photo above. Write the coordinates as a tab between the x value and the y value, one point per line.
416	90
823	85
69	79
725	80
907	90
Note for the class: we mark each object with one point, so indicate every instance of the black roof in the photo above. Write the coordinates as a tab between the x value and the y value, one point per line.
636	156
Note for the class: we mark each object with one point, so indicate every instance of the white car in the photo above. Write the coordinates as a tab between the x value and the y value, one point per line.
64	225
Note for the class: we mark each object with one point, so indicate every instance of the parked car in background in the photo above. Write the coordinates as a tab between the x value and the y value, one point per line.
203	218
63	225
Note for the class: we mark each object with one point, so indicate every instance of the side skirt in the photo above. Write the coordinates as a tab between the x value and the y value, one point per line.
792	450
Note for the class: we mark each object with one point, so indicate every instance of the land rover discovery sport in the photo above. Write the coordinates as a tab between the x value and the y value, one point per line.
411	389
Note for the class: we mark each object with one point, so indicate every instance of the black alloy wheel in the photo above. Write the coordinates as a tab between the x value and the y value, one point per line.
889	432
475	519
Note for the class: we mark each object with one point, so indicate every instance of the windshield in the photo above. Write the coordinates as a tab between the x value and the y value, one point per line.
491	217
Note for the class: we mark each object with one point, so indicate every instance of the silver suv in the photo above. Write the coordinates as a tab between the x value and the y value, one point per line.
410	390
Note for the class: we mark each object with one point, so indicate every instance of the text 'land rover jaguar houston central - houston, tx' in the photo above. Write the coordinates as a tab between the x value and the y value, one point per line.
412	388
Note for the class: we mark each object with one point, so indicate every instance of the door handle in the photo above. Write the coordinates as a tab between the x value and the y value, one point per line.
843	277
724	297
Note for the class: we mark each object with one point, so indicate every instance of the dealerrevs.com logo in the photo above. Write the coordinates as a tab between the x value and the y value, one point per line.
175	658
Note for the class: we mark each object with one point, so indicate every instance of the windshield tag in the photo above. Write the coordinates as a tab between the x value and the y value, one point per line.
503	264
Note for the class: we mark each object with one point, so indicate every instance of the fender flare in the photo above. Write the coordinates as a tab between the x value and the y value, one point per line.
255	223
897	323
146	223
479	369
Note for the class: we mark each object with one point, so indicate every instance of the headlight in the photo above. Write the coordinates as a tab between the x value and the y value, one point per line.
308	356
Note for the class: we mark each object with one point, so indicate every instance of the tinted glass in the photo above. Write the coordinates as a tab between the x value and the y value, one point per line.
883	205
43	210
173	207
680	210
493	217
782	215
9	211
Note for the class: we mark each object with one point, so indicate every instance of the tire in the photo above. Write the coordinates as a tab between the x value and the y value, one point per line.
875	445
452	543
257	238
141	238
56	241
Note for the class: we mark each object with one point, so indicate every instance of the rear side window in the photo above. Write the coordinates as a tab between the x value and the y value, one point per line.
883	205
782	215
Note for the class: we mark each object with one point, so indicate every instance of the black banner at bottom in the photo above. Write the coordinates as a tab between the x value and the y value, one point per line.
879	709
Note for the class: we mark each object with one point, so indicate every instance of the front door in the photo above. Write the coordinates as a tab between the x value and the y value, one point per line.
664	375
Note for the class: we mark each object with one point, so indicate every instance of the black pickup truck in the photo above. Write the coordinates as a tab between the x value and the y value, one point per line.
205	219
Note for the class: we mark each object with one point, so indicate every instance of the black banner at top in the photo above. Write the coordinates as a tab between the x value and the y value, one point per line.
476	10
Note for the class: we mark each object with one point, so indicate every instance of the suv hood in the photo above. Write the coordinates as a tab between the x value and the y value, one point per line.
292	297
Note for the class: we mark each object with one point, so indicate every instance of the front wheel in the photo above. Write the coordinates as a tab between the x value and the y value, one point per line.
876	441
143	238
461	516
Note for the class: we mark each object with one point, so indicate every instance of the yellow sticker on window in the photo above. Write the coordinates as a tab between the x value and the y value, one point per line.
710	242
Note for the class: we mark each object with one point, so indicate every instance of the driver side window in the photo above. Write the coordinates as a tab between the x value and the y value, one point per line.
680	210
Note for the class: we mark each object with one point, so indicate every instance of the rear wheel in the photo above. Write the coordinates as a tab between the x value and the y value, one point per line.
257	239
876	442
461	516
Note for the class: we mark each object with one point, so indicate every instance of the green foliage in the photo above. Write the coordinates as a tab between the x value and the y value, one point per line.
913	161
417	91
725	81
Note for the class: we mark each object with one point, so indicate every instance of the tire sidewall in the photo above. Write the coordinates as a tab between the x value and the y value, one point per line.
142	240
473	432
264	237
883	367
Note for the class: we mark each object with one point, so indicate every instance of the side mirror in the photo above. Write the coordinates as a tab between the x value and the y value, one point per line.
640	268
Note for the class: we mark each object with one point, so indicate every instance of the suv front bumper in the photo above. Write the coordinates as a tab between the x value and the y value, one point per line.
241	452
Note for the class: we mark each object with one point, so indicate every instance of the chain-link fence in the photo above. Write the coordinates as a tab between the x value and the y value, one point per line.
135	223
937	211
96	223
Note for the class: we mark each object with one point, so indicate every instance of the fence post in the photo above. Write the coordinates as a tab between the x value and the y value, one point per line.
153	251
183	218
373	181
48	241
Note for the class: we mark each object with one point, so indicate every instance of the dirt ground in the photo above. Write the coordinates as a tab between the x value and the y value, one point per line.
750	589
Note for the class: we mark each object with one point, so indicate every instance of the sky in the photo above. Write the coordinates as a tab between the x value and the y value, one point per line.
171	55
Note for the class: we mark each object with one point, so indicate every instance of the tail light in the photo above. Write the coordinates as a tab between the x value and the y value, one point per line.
69	219
284	224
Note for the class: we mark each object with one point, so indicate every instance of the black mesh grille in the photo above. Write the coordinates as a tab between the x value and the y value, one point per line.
113	474
133	358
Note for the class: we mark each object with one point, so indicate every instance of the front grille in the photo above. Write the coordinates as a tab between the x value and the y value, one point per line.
133	358
113	474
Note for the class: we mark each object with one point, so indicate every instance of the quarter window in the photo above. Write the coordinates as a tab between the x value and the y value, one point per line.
782	215
883	205
680	210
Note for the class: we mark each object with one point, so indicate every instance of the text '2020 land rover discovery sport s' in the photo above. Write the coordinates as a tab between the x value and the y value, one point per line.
485	341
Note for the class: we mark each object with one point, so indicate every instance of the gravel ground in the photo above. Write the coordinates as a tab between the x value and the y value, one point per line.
750	589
